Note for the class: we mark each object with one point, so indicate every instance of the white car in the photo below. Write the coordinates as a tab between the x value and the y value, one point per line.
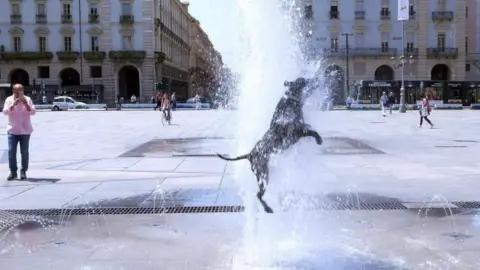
67	103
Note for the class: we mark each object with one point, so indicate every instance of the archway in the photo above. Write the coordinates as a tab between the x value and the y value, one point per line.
334	82
440	72
128	82
19	76
70	76
384	73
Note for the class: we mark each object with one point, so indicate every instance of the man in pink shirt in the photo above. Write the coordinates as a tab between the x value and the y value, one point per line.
18	108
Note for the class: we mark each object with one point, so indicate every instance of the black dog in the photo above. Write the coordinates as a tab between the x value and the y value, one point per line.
286	128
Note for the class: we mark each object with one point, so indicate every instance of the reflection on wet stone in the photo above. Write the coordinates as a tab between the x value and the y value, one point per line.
209	146
182	197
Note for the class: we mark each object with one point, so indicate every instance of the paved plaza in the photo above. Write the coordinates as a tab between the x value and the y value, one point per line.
105	159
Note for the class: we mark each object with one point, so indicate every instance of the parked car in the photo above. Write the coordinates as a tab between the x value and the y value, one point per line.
67	103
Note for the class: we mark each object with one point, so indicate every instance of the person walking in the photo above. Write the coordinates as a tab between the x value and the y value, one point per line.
349	102
384	104
424	110
391	101
174	101
18	108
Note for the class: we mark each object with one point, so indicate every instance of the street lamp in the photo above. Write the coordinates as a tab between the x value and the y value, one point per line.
400	63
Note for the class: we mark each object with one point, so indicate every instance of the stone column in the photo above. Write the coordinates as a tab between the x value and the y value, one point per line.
147	80
108	73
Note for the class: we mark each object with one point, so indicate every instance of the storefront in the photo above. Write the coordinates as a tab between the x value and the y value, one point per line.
371	91
453	92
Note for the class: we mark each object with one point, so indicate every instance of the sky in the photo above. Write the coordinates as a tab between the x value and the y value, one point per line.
219	19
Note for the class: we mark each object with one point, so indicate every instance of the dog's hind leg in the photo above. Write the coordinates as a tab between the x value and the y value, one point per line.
262	181
307	131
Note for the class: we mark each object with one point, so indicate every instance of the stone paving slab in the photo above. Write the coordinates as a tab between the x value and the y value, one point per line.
348	240
413	167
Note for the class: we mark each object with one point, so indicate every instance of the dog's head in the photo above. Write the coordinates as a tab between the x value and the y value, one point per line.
295	88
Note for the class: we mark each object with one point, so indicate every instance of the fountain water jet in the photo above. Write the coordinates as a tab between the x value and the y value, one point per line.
271	41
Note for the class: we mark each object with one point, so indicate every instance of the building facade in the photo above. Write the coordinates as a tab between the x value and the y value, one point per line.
96	49
366	34
205	61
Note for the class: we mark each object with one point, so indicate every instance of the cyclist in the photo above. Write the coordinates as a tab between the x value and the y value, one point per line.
166	106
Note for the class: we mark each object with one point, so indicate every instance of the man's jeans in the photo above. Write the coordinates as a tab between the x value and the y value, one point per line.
13	141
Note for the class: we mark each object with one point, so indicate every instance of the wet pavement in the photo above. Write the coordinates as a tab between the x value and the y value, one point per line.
412	187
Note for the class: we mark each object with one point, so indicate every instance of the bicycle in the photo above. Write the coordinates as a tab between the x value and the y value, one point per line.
165	119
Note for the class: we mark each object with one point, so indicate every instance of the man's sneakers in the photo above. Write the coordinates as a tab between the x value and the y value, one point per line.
12	176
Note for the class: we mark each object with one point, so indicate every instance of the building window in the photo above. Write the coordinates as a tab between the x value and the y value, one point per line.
467	67
126	9
94	9
94	44
308	11
43	72
42	44
359	5
15	9
441	41
334	12
66	9
466	45
466	12
359	39
334	43
41	10
410	45
17	44
127	42
67	44
385	38
96	71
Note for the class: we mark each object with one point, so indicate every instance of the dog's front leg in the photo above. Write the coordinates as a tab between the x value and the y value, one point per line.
308	132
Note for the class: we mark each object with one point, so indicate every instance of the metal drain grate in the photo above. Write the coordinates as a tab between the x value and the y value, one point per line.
190	209
450	146
195	155
467	205
466	141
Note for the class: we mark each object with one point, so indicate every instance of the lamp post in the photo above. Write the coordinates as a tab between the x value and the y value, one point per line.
348	59
400	63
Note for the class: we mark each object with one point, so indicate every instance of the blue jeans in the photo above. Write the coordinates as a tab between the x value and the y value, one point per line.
13	141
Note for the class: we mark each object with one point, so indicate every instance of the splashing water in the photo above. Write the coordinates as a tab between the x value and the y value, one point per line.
272	42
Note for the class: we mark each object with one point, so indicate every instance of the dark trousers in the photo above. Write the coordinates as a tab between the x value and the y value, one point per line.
174	105
159	104
13	142
426	119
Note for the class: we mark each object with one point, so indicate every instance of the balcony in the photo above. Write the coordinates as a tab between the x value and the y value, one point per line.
441	16
93	18
433	53
94	56
359	15
67	56
385	14
160	57
411	52
334	15
372	52
67	18
16	18
26	56
127	19
335	52
127	55
41	18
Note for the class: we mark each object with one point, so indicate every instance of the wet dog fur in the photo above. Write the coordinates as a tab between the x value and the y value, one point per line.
286	128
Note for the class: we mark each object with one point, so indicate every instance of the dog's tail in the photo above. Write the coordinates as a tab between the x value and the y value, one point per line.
235	158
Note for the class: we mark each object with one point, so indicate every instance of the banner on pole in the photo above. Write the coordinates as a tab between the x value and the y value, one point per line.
403	14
